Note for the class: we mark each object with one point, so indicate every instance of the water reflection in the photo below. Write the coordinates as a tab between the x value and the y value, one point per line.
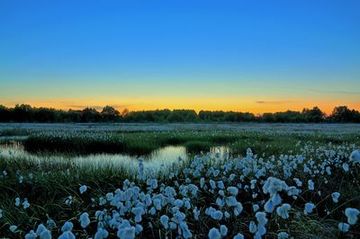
159	161
168	152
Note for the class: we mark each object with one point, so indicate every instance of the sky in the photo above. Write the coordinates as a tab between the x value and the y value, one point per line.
257	56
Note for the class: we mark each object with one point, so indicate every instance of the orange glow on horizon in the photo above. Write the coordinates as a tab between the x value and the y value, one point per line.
225	104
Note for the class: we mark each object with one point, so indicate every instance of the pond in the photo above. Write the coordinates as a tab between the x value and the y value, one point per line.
159	161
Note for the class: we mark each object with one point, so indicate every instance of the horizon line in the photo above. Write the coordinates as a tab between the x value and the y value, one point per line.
123	109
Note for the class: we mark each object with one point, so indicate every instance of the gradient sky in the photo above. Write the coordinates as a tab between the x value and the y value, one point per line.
258	56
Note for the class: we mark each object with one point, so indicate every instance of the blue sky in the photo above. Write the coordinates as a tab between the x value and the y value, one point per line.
235	55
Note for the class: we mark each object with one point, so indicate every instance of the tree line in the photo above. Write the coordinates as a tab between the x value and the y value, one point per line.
27	113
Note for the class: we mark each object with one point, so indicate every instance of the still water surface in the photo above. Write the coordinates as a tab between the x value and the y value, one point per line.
160	160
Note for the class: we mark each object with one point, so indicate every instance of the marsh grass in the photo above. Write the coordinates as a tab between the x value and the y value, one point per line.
310	228
142	143
197	146
14	132
49	179
48	183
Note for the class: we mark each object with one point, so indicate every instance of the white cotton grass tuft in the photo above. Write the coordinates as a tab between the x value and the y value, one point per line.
152	183
261	218
282	235
261	231
51	224
46	234
252	227
283	211
298	182
239	236
220	184
101	233
40	229
309	207
68	201
223	230
42	232
352	215
84	220
68	226
17	201
273	185
126	232
345	167
231	201
335	197
138	229
214	233
31	235
67	235
311	185
164	221
214	214
328	170
355	156
21	179
196	213
255	207
26	204
83	189
276	199
233	190
138	212
343	227
13	228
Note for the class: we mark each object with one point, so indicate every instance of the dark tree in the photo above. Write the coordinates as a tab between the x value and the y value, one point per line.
27	113
182	116
344	114
23	113
314	115
90	115
110	114
5	114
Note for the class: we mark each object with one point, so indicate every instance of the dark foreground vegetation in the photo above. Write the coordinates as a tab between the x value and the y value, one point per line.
314	167
27	113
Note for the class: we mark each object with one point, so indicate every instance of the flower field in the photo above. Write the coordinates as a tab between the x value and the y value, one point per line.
298	184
